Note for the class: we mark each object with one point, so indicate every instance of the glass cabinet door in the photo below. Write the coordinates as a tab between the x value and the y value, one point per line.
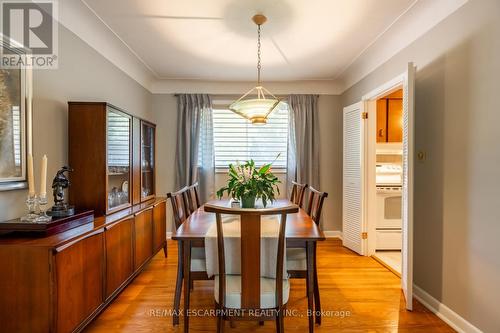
147	160
119	159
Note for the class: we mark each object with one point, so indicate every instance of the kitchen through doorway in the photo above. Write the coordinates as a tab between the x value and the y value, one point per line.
388	180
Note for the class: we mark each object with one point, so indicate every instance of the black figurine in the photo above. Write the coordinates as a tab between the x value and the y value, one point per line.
59	184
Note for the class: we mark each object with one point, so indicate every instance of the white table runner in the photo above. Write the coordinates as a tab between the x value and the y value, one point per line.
269	225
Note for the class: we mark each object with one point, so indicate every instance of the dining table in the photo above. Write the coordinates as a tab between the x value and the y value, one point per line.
301	232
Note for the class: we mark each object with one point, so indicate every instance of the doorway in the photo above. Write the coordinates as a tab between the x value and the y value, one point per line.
359	199
388	145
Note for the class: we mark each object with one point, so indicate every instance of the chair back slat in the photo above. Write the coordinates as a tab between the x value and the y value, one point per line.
297	195
196	193
193	197
189	201
179	204
315	204
250	252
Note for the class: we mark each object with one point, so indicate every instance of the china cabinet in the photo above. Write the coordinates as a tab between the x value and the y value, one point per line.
112	155
69	277
147	160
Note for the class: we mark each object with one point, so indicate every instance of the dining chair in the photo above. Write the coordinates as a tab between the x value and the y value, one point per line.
297	195
297	257
181	212
193	197
262	298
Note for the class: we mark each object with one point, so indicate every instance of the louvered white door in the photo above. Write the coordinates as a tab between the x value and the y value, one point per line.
353	222
407	190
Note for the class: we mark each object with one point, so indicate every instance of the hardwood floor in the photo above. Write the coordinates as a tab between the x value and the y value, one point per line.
359	293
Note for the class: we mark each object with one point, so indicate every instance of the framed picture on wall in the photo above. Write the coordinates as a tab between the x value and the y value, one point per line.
15	122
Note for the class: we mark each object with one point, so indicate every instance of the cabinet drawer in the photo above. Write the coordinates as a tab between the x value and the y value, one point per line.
79	272
119	259
389	240
143	240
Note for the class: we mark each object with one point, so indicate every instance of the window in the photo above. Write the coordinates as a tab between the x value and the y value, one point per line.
16	128
236	139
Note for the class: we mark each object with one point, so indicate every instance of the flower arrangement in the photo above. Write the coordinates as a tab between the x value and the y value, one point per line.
248	183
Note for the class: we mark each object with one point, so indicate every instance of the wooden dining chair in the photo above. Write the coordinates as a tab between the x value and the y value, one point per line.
297	258
315	203
198	270
297	195
249	290
193	197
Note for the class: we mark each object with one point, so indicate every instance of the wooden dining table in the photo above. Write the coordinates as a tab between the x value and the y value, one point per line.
301	232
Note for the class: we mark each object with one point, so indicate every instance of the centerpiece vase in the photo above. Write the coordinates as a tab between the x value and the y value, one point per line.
248	202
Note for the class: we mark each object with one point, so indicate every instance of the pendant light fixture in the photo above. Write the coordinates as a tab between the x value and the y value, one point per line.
258	103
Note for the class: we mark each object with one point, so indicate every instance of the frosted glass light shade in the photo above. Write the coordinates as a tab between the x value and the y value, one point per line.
256	110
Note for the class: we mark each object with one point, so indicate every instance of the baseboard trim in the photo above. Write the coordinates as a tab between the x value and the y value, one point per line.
449	316
169	234
333	234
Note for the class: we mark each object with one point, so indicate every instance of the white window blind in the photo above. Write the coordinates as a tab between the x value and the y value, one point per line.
16	126
236	139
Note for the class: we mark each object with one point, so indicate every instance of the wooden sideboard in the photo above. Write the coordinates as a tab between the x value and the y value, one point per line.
59	283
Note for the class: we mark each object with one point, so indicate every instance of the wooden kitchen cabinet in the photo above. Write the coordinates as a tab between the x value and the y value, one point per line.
119	254
382	120
395	120
143	241
389	120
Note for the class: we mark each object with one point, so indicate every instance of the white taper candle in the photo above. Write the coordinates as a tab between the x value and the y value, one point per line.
43	176
31	181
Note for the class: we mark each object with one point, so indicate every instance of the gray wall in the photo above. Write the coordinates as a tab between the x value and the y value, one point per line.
457	187
330	158
164	108
83	75
164	115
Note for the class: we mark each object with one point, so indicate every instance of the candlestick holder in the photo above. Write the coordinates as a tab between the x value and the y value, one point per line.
31	202
42	204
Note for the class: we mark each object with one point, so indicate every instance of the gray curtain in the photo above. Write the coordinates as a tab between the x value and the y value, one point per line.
303	143
195	160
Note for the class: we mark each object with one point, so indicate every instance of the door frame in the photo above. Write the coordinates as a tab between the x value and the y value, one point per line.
404	80
370	102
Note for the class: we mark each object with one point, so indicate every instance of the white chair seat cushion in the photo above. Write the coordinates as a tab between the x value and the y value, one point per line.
296	259
267	292
198	262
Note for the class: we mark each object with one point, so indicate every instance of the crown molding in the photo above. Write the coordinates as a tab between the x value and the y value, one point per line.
414	23
80	19
175	86
422	16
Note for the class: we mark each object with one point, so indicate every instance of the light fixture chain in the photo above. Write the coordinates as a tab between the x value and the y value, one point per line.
259	66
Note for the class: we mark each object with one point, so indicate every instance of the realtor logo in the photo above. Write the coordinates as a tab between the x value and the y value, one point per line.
29	33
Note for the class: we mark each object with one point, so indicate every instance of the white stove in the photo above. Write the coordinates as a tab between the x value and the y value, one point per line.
389	175
389	180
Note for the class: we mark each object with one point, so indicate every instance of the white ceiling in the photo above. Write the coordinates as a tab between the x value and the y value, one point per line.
216	40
